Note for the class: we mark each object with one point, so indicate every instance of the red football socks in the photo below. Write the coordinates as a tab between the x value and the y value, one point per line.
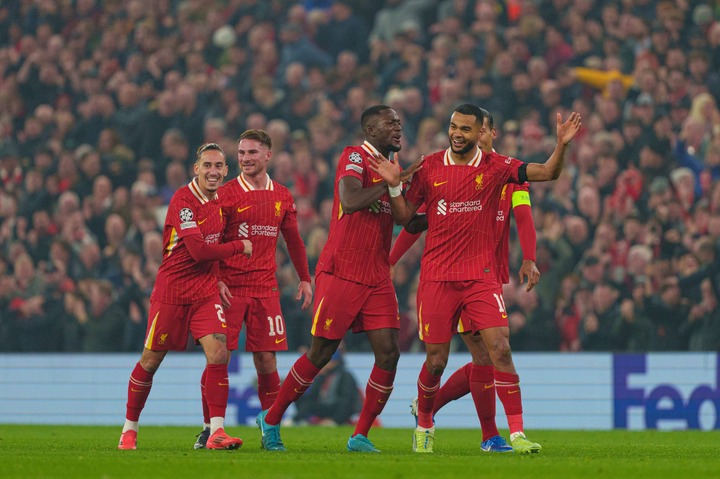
138	392
508	390
377	392
482	387
428	385
205	409
217	387
456	386
268	387
299	378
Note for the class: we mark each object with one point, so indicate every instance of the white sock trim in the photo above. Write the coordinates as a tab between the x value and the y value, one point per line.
130	426
216	423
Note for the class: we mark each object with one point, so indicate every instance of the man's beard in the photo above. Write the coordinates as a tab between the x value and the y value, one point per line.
464	149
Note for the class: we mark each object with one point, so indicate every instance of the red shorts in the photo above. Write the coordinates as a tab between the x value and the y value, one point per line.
441	304
341	305
264	324
169	324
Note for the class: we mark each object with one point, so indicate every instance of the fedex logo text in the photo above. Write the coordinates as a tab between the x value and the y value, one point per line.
663	405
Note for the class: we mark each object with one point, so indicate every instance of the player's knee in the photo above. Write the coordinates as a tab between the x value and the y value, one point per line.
265	362
319	358
217	356
436	364
150	361
150	365
388	360
502	354
482	359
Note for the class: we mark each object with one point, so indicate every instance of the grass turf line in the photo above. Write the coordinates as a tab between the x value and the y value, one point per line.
319	452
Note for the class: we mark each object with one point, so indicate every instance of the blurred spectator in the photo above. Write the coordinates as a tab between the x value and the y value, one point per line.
597	331
95	323
296	47
396	17
128	118
30	321
669	314
634	329
532	326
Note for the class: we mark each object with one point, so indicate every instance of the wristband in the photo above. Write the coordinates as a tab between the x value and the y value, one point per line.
395	191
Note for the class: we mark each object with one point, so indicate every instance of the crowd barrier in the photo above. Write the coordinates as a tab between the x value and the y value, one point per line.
587	391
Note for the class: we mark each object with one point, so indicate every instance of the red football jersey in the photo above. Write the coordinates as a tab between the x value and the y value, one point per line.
502	223
180	279
462	206
358	244
258	216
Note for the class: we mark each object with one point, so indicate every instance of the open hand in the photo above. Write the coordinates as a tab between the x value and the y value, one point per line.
388	170
407	174
566	131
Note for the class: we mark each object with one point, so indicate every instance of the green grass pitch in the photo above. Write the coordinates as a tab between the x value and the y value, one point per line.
319	452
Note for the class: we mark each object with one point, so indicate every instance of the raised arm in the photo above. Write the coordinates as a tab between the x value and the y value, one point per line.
551	169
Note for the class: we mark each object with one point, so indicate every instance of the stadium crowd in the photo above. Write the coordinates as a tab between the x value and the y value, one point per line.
103	103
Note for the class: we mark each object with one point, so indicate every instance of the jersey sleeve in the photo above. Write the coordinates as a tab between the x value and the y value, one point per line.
415	193
523	218
182	216
521	195
293	240
351	163
512	168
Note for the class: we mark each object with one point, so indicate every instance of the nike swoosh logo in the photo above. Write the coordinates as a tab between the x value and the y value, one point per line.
438	183
377	180
488	386
513	392
136	390
299	392
504	315
428	397
224	325
202	221
278	341
240	210
223	384
381	401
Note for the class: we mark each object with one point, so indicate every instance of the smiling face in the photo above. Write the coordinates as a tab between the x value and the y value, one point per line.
253	157
463	133
210	169
384	131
